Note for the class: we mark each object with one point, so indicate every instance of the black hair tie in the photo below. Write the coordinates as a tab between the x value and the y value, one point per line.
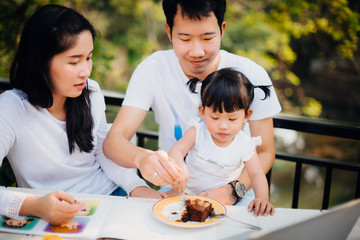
266	90
192	84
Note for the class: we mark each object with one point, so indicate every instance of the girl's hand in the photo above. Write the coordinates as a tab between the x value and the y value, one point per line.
261	206
56	208
184	177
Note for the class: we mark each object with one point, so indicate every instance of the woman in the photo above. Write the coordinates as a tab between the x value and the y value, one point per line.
53	121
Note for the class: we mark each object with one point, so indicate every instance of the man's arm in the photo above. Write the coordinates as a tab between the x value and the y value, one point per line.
117	145
266	153
154	166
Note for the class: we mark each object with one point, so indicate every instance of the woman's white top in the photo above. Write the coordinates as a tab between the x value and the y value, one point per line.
10	202
211	166
36	146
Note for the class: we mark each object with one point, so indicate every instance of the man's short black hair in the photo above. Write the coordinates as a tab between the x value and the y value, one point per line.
194	9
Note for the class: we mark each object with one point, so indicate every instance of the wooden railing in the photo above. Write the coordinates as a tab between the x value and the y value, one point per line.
301	124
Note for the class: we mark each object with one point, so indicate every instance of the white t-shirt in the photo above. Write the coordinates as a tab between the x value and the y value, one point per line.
211	166
159	83
36	146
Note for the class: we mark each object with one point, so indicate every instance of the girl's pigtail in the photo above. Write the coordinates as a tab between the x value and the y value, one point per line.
266	90
192	84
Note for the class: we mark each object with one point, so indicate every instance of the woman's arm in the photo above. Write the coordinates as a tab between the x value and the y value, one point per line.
56	208
11	117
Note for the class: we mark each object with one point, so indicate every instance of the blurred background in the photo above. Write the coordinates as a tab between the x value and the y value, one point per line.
310	49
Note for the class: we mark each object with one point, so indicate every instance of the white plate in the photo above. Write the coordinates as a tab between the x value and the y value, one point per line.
169	211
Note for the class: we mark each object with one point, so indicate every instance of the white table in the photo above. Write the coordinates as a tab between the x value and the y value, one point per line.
133	218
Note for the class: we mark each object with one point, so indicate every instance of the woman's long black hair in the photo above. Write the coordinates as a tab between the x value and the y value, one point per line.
51	30
227	90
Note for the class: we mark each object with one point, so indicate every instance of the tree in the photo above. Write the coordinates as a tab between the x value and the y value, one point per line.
286	37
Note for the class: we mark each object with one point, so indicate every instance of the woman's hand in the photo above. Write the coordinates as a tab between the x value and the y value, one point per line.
146	192
262	207
56	208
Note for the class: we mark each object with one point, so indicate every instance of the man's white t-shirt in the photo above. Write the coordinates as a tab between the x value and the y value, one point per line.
159	83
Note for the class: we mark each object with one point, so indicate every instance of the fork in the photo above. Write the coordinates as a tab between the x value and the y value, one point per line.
235	220
182	195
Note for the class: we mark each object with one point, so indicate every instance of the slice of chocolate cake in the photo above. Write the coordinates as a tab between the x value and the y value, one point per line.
197	210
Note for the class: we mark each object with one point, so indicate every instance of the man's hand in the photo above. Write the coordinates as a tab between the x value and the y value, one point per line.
159	169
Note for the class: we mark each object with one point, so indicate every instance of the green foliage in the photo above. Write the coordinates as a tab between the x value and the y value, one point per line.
276	34
13	15
312	107
7	177
334	18
250	36
134	30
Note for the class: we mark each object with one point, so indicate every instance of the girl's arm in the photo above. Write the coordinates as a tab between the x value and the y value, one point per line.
260	204
178	152
257	177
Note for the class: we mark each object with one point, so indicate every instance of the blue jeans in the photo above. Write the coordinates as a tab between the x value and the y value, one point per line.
118	192
249	196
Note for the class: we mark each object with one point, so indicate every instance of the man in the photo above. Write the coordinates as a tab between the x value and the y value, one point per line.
195	29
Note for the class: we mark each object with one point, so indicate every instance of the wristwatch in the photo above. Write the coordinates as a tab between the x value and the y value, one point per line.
239	190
